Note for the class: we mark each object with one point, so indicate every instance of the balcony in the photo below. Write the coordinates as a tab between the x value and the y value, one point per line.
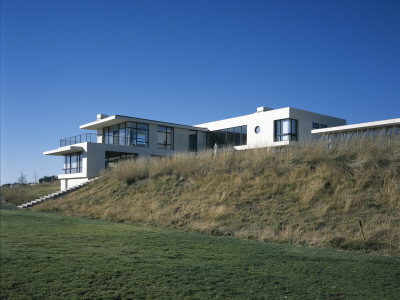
82	138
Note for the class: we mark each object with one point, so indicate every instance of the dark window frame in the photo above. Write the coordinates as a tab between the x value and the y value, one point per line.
279	136
318	125
118	156
125	140
222	136
168	131
68	169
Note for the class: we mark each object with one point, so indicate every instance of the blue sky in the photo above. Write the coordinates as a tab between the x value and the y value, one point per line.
189	62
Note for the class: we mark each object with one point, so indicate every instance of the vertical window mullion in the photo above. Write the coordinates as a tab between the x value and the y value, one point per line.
118	128
172	139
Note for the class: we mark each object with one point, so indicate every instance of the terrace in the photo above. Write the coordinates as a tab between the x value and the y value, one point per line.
82	138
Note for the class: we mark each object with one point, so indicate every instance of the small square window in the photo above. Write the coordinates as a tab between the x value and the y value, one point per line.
315	125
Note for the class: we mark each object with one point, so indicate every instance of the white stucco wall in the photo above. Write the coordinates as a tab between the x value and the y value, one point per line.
306	118
71	182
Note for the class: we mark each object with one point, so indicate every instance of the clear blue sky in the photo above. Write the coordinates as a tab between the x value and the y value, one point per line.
189	62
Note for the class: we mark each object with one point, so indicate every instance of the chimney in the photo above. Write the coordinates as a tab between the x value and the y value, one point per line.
263	108
101	116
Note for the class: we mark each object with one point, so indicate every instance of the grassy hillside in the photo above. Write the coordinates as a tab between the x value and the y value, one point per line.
25	193
306	195
44	256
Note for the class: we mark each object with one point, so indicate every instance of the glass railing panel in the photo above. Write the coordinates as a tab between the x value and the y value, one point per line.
82	138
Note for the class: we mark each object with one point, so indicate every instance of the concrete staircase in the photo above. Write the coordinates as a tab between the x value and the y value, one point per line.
56	195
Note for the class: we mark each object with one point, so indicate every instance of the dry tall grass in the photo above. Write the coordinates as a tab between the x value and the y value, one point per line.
21	194
302	195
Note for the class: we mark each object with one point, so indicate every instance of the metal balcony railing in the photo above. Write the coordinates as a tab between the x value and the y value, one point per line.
82	138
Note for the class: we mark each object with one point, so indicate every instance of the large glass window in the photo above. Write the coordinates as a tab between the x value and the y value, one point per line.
235	136
73	163
127	134
165	138
113	157
285	130
243	136
142	135
122	134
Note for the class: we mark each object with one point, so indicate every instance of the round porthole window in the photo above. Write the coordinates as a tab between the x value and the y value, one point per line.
257	129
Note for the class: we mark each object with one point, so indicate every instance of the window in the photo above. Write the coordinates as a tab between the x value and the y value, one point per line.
235	136
121	134
193	141
127	134
73	163
285	130
317	125
113	157
165	138
243	136
257	129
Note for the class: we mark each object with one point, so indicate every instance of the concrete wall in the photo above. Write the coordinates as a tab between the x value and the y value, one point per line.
68	183
305	120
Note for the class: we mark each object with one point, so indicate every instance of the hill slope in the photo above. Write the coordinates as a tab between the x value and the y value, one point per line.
304	195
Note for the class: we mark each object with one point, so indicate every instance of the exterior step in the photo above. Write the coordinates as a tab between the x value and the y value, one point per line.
56	195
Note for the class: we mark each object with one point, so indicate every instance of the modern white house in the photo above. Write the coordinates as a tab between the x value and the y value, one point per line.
120	137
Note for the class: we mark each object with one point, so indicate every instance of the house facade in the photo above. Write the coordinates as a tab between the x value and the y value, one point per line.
120	137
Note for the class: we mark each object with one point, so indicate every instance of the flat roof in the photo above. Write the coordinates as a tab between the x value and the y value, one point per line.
63	150
374	124
117	119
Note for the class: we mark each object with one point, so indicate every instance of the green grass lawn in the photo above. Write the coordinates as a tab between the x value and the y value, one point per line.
50	256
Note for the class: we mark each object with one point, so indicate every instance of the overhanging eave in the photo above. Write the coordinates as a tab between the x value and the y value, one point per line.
63	150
